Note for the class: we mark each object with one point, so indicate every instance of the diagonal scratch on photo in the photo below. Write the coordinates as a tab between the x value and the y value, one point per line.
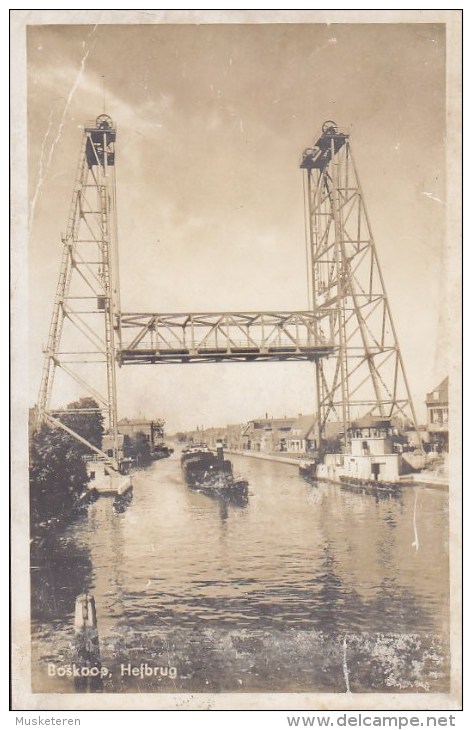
238	424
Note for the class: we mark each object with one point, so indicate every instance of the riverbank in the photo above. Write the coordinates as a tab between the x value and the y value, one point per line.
267	457
425	479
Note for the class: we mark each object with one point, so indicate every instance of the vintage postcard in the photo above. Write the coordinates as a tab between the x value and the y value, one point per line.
236	276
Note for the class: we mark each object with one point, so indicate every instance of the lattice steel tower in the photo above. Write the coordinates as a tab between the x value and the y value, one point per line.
366	375
85	318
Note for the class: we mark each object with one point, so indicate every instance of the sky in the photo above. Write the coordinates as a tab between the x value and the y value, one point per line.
212	121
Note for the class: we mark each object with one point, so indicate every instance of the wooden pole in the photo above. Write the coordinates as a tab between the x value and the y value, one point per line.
86	642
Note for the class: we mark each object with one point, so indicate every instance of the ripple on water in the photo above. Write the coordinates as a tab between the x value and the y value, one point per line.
183	562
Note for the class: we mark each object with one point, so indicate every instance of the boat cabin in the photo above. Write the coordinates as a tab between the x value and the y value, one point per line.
195	449
370	454
371	436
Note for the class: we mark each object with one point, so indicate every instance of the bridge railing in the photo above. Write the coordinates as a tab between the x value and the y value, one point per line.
235	335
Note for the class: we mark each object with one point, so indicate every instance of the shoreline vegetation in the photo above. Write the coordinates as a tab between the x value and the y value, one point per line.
58	473
59	481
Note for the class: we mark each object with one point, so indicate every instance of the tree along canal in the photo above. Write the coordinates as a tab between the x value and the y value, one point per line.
303	588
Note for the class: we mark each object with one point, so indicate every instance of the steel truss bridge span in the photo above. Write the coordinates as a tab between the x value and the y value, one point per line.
222	337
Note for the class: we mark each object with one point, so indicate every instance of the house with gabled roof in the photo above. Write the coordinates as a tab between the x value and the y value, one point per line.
295	435
267	434
303	435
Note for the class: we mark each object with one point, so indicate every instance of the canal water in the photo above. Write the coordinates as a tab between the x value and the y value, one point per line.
305	587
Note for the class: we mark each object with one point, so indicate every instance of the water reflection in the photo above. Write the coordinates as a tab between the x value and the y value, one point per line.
122	502
53	582
212	582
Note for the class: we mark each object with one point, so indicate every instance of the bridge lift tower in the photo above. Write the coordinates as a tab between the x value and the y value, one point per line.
348	333
83	331
367	374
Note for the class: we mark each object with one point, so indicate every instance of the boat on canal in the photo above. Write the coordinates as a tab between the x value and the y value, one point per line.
307	469
211	473
161	451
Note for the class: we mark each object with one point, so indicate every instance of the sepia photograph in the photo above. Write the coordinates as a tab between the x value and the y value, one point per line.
236	359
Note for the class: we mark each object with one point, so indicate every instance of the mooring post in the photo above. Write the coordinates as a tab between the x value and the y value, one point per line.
86	643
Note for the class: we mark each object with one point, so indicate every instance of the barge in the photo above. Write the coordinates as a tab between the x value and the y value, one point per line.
211	473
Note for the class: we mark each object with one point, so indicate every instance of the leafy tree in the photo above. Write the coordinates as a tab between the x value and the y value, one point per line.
88	425
57	474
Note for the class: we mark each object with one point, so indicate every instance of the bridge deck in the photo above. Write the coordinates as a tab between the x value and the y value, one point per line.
222	337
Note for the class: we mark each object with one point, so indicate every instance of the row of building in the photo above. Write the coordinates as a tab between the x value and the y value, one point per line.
264	435
294	435
297	435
